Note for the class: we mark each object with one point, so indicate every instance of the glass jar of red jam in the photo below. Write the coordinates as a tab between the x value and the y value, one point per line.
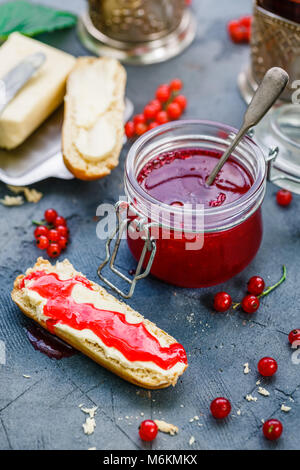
204	235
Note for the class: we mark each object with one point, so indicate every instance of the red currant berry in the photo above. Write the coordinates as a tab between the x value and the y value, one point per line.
139	118
53	235
284	197
59	221
150	111
176	84
163	93
267	366
247	35
141	128
294	336
272	429
148	430
53	250
156	104
220	407
250	303
41	230
246	21
162	117
50	215
181	100
129	129
238	34
256	285
63	241
42	242
232	26
174	110
153	124
62	231
222	302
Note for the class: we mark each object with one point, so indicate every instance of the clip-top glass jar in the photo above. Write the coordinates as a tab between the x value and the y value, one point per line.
230	234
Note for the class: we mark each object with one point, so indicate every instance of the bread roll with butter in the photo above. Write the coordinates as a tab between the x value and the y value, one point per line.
91	320
40	96
93	126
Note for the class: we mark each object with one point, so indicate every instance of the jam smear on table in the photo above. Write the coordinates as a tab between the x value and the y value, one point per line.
133	340
46	343
178	178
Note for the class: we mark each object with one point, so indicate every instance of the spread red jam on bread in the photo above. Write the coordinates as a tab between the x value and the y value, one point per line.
87	317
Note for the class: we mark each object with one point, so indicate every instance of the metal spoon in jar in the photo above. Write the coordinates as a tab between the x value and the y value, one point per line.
272	85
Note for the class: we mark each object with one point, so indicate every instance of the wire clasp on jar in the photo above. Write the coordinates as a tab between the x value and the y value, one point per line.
142	225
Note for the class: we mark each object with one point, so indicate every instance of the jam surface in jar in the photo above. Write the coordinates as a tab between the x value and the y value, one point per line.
178	178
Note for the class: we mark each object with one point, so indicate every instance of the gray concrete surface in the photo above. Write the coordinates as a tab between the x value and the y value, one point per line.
42	412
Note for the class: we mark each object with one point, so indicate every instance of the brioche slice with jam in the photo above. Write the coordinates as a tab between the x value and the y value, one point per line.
93	127
91	320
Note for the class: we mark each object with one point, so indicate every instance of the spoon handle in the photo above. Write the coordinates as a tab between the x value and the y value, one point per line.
272	85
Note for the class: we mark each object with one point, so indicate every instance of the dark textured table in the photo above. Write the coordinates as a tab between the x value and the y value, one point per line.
42	412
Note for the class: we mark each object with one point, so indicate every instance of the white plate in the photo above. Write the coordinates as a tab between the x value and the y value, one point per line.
39	157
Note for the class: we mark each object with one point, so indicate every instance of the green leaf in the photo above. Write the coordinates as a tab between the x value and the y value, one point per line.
31	19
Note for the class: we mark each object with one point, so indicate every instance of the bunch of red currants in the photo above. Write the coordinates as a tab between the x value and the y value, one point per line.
240	30
168	105
52	234
250	303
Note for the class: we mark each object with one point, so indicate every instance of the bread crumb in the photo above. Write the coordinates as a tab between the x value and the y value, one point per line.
167	428
238	412
31	195
195	418
285	408
12	200
89	425
258	382
27	376
90	411
250	398
192	440
246	368
142	414
263	391
262	420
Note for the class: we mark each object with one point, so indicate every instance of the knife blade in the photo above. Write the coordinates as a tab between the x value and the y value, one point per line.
18	76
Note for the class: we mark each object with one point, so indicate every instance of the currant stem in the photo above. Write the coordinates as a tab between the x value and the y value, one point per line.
42	222
281	280
269	289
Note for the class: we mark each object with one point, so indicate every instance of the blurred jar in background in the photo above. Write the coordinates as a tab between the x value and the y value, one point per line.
289	9
136	20
275	40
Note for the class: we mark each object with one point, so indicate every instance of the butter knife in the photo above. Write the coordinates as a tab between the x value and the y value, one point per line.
18	76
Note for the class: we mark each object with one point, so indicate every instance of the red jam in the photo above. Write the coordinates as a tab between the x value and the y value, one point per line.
47	344
177	178
133	340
